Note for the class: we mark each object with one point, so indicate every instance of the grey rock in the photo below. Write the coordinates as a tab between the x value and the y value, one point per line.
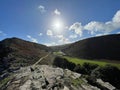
106	84
44	77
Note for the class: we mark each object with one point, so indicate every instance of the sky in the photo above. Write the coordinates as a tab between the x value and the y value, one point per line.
56	22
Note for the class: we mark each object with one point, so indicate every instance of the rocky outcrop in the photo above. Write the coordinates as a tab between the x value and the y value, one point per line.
44	77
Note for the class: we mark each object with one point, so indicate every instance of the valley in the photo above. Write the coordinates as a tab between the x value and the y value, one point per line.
26	66
59	44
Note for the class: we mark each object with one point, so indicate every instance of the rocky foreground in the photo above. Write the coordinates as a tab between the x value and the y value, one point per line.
44	77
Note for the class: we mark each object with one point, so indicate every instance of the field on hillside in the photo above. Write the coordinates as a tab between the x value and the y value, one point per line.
82	61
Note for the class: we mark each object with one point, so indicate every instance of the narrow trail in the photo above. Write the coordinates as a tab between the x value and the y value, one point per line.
41	59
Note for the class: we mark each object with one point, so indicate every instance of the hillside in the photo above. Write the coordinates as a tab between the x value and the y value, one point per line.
16	52
102	47
59	47
19	68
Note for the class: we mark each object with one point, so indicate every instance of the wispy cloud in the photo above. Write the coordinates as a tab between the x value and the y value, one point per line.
118	32
73	36
50	44
2	33
101	34
42	9
40	34
62	39
57	12
96	26
98	34
32	39
49	33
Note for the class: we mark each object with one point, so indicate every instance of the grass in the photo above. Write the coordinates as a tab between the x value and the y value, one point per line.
77	82
59	53
4	81
82	61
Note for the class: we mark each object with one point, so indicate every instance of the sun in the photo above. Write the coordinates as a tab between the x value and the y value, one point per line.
58	25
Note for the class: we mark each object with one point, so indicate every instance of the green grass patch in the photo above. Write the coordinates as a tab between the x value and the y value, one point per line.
59	53
77	82
82	61
4	82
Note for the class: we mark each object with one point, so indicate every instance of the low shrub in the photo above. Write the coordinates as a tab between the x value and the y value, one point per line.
63	63
109	74
86	68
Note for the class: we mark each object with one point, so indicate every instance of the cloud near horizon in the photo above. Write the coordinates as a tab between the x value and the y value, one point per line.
59	39
118	32
32	39
2	33
73	36
51	44
95	26
62	39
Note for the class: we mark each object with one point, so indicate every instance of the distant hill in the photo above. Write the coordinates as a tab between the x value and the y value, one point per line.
17	52
59	47
102	47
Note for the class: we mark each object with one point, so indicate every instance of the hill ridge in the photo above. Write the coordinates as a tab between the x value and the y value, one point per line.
101	47
16	52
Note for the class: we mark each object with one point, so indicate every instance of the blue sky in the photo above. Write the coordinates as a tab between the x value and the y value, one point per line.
55	22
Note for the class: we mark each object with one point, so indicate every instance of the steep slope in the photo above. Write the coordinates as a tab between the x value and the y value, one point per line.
103	47
17	52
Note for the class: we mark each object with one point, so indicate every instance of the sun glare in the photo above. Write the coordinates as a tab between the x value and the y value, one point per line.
57	25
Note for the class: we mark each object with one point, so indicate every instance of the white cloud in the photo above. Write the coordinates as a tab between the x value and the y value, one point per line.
40	34
118	32
77	27
51	44
99	35
101	27
73	36
116	17
57	12
41	8
2	33
59	39
49	33
32	39
62	39
105	27
59	36
95	26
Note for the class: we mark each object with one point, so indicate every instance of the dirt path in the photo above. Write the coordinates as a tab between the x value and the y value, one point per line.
41	59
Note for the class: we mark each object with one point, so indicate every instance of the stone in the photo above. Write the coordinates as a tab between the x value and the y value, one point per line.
106	84
46	77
